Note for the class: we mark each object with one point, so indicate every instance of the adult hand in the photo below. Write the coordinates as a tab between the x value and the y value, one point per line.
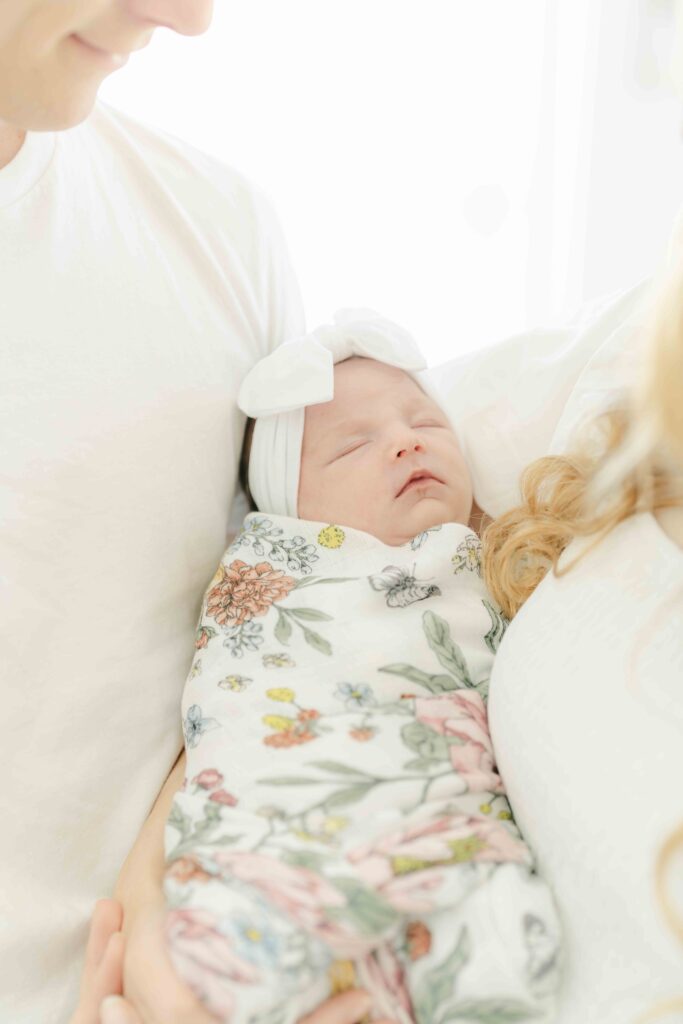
150	983
158	995
103	967
347	1008
161	997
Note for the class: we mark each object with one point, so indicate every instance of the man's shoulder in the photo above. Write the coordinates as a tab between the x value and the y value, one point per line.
153	168
159	150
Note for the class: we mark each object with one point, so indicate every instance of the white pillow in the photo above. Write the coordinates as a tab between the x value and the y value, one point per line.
522	398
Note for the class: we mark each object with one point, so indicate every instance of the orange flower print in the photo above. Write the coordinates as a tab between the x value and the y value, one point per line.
245	591
361	734
419	939
308	714
204	634
289	739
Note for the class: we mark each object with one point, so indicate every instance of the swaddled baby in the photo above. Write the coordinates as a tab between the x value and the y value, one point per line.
342	821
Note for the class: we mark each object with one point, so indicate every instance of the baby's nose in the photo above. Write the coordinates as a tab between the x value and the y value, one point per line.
415	446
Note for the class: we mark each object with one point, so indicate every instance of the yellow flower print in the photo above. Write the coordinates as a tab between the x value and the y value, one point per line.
342	975
485	808
331	537
278	661
235	683
333	825
504	815
196	669
281	693
281	723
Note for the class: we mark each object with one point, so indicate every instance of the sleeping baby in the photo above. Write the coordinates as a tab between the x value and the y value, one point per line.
342	821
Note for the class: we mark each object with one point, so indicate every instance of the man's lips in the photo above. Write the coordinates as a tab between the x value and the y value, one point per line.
416	477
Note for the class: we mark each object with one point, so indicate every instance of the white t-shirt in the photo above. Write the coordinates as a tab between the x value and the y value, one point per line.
140	281
586	715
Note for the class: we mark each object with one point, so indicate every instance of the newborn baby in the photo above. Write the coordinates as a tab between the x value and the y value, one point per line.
342	821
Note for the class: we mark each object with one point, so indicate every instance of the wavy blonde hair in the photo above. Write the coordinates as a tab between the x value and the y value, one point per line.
629	460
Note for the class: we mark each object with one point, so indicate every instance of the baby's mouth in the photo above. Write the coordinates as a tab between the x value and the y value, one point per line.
417	476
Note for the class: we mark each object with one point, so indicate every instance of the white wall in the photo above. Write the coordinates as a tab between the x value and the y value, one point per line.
465	168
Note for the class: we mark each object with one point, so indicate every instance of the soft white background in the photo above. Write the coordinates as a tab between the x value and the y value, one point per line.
469	169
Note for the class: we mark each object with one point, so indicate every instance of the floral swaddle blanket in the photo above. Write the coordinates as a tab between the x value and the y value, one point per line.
342	821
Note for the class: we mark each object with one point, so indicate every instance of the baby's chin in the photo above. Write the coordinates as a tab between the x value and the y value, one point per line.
420	519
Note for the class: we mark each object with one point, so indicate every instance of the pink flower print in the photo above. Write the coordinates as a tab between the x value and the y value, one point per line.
303	895
221	796
462	714
406	866
245	591
206	959
208	779
382	976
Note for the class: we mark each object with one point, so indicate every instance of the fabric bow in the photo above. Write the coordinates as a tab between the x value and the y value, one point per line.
277	390
301	372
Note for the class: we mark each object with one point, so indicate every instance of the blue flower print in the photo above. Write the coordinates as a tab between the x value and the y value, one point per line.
195	726
359	696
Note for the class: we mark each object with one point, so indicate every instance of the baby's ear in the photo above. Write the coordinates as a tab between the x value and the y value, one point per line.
244	462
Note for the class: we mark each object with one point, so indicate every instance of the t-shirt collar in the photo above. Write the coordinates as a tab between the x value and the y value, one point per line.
27	167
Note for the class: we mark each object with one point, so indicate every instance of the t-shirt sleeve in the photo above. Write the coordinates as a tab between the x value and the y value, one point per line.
281	300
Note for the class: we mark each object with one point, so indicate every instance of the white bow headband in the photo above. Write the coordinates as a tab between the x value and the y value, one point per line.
277	390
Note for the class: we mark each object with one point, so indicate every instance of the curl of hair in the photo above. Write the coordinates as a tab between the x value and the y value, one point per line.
564	497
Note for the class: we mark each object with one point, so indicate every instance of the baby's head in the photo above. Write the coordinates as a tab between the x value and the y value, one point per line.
381	456
344	433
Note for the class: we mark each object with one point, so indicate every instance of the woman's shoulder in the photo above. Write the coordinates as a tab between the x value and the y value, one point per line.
638	543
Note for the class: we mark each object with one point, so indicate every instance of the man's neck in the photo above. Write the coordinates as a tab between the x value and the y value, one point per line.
11	141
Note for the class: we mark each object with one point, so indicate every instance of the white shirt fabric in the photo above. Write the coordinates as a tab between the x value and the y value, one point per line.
140	282
516	400
586	715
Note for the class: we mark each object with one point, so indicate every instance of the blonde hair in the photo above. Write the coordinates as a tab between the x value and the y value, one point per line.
629	460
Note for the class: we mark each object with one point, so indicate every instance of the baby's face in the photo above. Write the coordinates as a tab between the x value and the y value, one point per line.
361	450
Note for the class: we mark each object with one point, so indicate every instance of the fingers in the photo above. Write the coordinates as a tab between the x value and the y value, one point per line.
108	980
115	1010
106	919
347	1008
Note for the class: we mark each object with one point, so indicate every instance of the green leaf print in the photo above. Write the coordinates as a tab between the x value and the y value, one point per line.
421	764
311	581
498	626
317	641
492	1011
178	819
483	689
439	984
310	614
370	913
304	859
225	840
291	780
337	768
447	651
283	629
433	683
348	796
430	745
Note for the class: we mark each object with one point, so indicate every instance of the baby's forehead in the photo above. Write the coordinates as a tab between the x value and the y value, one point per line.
359	378
365	389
